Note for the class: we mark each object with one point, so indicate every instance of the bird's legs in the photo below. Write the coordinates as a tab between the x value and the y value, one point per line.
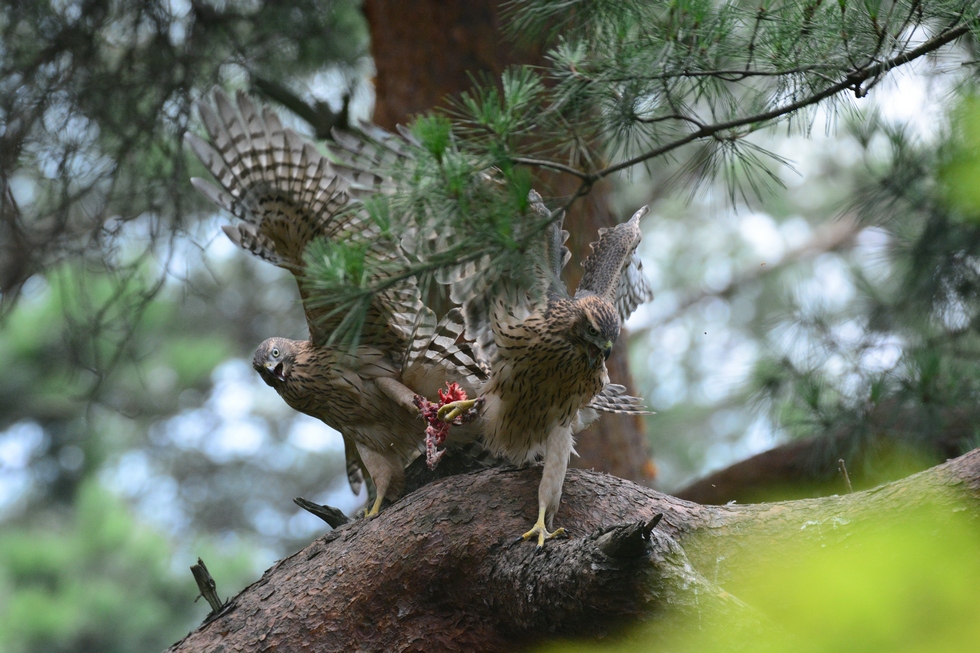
376	508
557	449
386	474
398	392
541	531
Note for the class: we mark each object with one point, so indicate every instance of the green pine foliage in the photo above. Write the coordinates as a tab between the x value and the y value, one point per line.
95	98
628	86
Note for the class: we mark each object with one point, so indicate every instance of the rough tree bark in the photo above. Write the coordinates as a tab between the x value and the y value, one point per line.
425	51
440	570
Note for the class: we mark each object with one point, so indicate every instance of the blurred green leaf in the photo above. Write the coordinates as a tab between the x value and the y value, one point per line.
961	173
910	584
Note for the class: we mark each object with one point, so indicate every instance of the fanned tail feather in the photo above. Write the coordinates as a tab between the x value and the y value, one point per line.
613	399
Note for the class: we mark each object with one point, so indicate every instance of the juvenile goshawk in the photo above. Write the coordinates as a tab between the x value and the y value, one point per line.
547	350
287	195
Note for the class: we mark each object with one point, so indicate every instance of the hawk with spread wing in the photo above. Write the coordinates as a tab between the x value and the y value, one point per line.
286	195
544	351
547	350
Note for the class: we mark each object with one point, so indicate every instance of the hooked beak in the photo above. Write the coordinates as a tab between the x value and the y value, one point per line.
607	349
595	351
275	369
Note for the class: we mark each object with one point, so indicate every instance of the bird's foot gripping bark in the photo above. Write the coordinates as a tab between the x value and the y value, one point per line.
376	508
452	410
541	531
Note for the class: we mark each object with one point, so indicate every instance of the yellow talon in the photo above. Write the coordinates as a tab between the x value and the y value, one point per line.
541	531
452	410
375	508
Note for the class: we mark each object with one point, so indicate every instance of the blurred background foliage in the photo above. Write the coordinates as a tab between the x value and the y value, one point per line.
839	302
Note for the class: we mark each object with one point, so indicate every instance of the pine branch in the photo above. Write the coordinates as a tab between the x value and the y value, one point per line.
852	81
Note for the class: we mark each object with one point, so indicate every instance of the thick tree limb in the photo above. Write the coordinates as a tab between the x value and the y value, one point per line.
894	441
440	570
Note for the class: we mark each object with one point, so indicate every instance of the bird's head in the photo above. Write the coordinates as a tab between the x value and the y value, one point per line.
596	328
274	359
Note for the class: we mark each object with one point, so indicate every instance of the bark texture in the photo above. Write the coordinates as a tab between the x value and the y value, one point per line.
440	570
427	50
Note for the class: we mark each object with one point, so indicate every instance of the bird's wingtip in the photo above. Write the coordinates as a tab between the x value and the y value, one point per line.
640	212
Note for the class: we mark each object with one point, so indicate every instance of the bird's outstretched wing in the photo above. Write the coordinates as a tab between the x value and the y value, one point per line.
522	285
364	156
614	271
492	295
551	251
288	195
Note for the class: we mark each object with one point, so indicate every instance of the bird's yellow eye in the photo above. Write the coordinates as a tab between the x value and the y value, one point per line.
275	352
593	331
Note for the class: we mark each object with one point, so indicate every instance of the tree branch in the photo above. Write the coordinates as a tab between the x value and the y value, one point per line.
827	238
319	115
208	588
333	516
810	467
440	570
852	81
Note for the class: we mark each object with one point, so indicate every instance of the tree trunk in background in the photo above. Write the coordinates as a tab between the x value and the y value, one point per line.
425	51
440	570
